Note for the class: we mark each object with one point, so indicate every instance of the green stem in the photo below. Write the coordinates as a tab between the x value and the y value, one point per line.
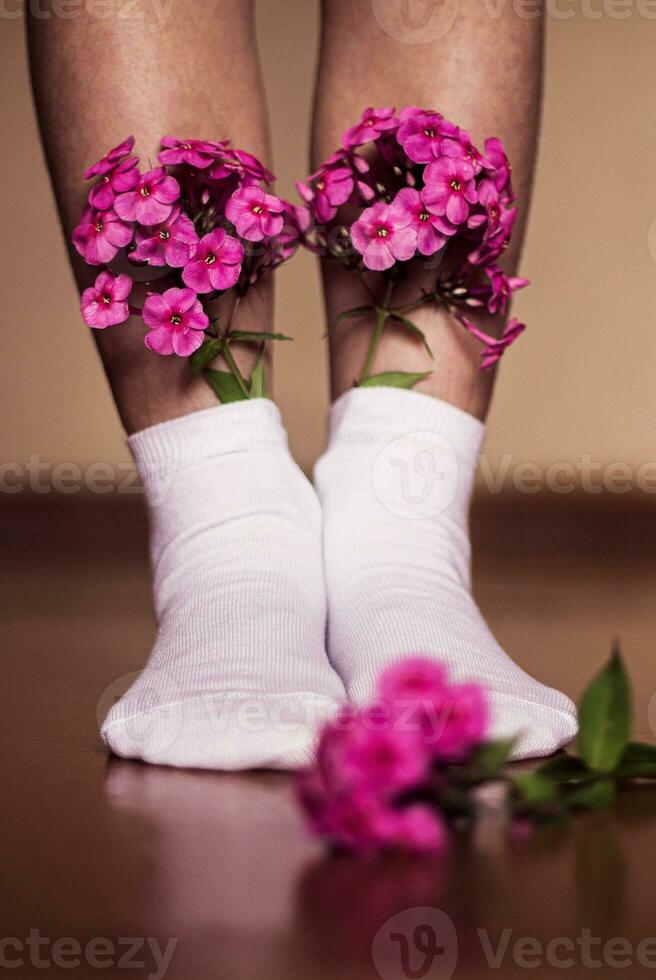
226	354
383	313
234	309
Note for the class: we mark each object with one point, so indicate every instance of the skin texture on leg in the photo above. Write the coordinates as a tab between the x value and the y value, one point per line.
485	75
97	80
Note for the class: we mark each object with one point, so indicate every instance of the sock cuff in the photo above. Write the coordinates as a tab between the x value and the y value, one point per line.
371	413
252	424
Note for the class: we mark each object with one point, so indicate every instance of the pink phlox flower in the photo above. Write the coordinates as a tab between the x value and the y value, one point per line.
254	213
364	824
105	303
176	322
373	123
297	221
328	187
215	264
450	188
460	146
151	200
383	235
122	178
195	153
420	133
432	230
497	235
99	236
496	162
110	160
381	756
451	718
170	243
462	723
501	289
246	167
494	347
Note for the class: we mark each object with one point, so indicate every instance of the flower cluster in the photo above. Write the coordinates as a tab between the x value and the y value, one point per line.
414	186
204	222
383	773
404	771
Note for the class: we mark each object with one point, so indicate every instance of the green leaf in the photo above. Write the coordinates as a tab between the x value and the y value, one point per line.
413	329
258	385
564	769
535	789
638	762
205	355
249	335
351	314
605	717
592	796
394	379
225	385
491	757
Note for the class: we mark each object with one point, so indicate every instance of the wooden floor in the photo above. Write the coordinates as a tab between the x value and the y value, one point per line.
93	847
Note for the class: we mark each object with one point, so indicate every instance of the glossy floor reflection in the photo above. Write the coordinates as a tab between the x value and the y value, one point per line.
94	847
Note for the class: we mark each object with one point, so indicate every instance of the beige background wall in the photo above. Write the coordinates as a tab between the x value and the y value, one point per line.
581	381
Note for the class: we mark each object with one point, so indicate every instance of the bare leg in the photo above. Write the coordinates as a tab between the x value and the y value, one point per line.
240	627
95	81
396	480
485	75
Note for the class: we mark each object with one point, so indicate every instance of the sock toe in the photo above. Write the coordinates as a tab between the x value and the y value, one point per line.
539	728
248	731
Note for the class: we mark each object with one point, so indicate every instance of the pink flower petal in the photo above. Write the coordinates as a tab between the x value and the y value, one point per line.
223	276
99	250
156	311
404	244
196	275
457	209
180	299
118	233
176	253
167	190
186	342
125	206
230	251
102	196
272	224
122	287
150	211
151	250
159	340
377	256
125	181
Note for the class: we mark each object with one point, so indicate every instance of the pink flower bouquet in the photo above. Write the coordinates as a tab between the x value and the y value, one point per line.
401	773
205	224
414	187
392	774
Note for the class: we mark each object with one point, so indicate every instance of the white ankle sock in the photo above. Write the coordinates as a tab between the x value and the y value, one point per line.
238	677
395	485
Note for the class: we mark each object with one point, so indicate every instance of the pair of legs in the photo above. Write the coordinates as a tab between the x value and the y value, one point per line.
240	589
